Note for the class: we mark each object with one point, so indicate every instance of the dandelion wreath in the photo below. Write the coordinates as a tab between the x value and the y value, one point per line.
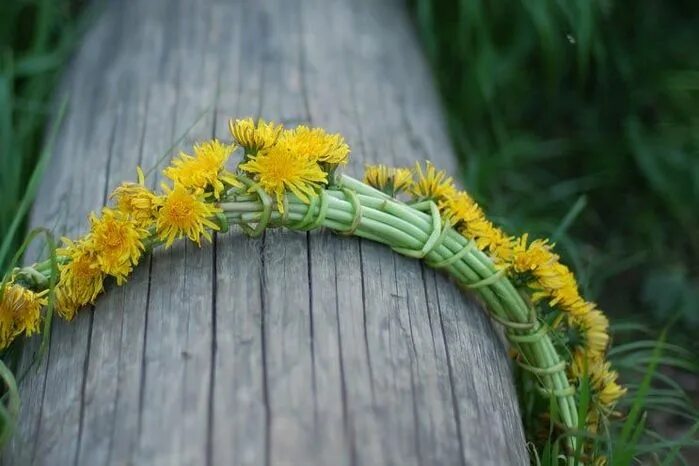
289	178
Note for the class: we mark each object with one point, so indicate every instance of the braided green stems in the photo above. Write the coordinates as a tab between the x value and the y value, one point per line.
418	231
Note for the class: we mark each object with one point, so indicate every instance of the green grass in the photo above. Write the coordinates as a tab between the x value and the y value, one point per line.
36	38
579	121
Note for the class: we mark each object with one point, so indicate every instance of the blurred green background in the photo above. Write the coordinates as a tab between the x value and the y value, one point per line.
579	120
36	39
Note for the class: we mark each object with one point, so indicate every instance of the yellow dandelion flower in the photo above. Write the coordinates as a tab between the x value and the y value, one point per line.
487	236
137	201
468	218
501	250
558	283
402	179
317	145
388	179
460	209
81	279
279	169
578	366
65	306
527	258
118	242
594	327
432	183
577	370
29	319
20	311
603	380
184	213
254	137
611	391
205	169
377	176
554	276
568	300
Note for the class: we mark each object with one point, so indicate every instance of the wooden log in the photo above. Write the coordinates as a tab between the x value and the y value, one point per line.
291	349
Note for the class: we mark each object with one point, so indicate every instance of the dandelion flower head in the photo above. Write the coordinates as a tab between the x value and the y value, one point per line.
280	169
20	311
185	213
316	144
118	242
254	137
206	169
137	201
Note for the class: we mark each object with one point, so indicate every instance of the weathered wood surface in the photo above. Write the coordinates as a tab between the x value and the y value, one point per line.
291	349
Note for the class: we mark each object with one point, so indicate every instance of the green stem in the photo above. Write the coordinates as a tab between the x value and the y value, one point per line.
398	225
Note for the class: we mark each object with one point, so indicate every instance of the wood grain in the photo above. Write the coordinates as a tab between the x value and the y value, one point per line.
290	349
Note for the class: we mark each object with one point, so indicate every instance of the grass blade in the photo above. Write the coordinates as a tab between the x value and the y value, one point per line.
32	185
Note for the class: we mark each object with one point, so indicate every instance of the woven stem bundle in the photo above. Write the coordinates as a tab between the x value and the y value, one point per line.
418	231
